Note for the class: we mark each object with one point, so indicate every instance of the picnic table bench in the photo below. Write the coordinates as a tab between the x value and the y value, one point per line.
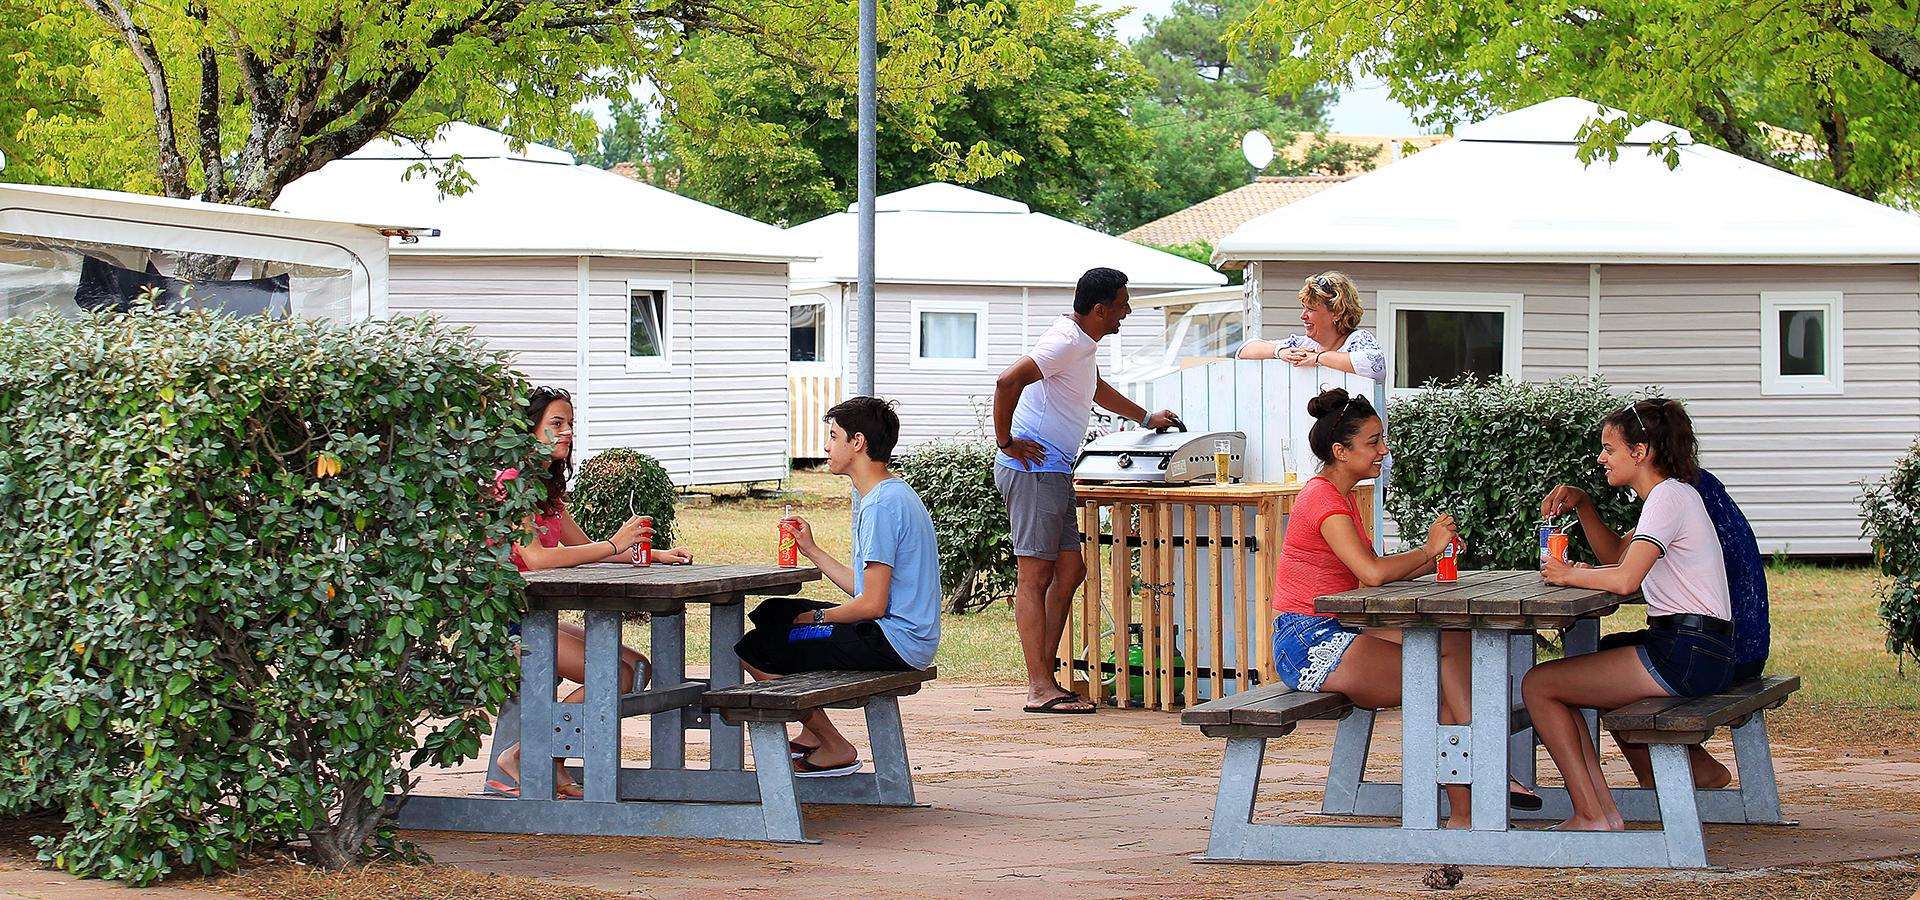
1503	609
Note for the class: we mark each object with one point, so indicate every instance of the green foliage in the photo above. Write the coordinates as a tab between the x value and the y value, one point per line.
955	480
1842	75
1202	253
1890	509
254	569
1021	98
1488	451
619	483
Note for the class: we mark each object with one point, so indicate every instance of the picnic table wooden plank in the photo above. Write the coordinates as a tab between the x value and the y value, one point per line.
1289	708
1456	600
656	588
812	690
1693	714
1220	711
1504	598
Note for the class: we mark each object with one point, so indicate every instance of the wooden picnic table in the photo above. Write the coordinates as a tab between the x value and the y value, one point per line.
664	798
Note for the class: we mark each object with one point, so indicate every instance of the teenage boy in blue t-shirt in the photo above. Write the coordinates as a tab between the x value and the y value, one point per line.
893	621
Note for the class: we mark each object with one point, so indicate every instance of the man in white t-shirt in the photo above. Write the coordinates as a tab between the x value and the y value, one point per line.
1041	405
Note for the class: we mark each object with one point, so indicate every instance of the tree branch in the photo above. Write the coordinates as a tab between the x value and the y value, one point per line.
1900	50
213	163
1721	122
172	166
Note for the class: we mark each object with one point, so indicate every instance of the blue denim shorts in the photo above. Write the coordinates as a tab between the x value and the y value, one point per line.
1686	660
1306	649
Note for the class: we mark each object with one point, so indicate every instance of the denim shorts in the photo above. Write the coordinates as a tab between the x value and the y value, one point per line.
1686	660
1306	649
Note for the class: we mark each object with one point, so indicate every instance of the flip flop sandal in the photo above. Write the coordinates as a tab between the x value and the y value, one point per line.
1053	706
498	788
1519	799
805	768
796	750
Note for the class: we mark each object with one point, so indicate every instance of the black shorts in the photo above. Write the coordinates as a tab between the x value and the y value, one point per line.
778	647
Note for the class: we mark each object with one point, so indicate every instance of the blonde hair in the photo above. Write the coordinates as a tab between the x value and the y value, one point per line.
1336	292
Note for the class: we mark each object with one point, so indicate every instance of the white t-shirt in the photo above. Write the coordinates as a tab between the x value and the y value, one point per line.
1054	410
1691	574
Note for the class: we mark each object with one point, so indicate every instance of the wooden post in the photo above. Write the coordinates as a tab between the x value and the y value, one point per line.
1217	551
1235	525
1270	536
1191	594
1122	600
1149	603
1090	599
1163	599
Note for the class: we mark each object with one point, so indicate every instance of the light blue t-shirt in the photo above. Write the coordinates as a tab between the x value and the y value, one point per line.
892	527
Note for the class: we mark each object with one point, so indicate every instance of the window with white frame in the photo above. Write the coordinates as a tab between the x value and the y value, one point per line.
1800	342
1442	335
649	308
949	334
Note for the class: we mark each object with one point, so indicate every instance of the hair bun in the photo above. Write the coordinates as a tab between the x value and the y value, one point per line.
1329	402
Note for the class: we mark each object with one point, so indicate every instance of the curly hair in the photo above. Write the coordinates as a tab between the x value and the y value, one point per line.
1336	293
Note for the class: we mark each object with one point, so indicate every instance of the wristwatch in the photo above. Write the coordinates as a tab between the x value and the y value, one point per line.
1004	446
819	617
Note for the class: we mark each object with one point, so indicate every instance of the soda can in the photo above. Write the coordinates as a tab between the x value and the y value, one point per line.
643	551
1447	567
1557	546
1547	531
789	539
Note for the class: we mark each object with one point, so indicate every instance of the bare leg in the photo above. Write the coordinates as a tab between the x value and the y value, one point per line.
1555	692
831	748
570	662
1369	674
1034	589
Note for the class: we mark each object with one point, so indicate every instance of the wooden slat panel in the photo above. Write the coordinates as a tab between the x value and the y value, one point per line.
661	582
1122	604
1695	714
1163	599
1090	600
1215	592
812	690
1235	523
1219	711
1190	596
1291	707
1149	605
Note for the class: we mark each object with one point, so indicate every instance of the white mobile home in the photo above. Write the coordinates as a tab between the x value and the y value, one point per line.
666	317
1786	314
54	239
964	281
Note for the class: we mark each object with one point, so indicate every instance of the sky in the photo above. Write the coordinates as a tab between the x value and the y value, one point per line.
1363	109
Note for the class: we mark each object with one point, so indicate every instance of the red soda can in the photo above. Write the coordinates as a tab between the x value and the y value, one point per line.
1557	546
789	540
643	551
1447	567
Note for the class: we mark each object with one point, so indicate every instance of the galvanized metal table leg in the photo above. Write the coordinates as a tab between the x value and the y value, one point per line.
539	633
726	741
1232	829
506	733
1679	809
1521	757
1419	728
1759	792
779	805
1584	637
1348	768
1492	706
600	713
893	777
669	732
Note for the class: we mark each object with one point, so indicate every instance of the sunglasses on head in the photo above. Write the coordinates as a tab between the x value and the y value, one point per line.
1321	284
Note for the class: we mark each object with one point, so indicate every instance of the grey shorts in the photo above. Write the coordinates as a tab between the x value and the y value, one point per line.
1039	512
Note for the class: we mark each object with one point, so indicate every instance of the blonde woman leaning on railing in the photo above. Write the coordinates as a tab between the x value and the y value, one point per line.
1330	309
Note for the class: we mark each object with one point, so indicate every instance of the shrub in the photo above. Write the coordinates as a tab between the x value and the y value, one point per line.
955	479
252	570
619	483
1890	509
1488	452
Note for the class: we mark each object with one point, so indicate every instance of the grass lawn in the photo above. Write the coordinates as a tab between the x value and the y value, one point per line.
1825	627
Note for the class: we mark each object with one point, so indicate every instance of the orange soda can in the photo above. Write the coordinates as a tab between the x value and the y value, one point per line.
1447	567
789	539
1557	545
643	551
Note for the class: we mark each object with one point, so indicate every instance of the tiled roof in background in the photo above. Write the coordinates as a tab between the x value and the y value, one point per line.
1211	220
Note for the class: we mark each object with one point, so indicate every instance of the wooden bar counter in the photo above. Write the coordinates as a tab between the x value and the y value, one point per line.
1204	557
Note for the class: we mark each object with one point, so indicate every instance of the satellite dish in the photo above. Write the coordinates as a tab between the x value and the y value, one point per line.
1257	148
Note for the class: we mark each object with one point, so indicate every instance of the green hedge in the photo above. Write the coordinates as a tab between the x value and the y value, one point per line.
618	483
1488	452
253	569
1890	508
955	480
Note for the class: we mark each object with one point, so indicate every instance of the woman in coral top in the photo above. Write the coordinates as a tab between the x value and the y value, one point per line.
553	540
1328	551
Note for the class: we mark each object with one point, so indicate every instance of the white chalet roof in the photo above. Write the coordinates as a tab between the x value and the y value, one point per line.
1511	189
942	233
530	202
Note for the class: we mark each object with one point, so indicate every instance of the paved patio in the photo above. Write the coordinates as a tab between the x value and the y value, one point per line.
1112	805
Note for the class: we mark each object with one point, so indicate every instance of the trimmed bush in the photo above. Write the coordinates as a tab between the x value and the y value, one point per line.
1488	452
253	570
1890	508
617	484
955	479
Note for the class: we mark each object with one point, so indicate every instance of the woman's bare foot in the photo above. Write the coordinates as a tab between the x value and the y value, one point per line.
1709	773
1582	824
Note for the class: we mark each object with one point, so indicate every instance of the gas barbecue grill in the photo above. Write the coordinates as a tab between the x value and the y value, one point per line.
1158	456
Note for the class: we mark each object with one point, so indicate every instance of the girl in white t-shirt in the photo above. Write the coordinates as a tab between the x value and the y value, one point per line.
1673	557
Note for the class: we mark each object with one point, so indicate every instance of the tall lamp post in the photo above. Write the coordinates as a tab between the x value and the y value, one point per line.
868	108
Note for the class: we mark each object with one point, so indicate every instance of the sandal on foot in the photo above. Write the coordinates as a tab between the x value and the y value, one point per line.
806	768
1523	800
1053	706
796	750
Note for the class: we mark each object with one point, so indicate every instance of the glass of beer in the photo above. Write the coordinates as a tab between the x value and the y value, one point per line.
1222	461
